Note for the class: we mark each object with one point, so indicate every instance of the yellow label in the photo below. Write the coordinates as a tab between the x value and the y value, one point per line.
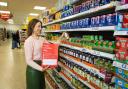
126	85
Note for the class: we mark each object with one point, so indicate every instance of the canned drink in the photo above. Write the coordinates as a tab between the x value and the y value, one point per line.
103	21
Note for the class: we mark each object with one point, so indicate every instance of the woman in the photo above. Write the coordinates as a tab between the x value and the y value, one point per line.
35	73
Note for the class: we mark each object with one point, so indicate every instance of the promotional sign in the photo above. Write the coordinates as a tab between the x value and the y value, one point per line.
5	16
50	55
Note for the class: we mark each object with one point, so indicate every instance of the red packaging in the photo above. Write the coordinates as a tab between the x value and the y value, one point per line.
108	77
124	25
122	54
117	55
50	55
125	18
118	44
122	43
124	1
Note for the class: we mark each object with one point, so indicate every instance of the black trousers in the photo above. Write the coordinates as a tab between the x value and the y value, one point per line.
35	79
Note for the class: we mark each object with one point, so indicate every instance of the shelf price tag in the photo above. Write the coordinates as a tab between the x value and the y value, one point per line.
97	53
95	28
120	65
84	50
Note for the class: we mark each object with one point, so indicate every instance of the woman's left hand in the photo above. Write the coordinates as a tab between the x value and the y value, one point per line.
66	35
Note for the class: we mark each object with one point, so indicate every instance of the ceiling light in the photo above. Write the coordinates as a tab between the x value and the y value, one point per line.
33	14
39	8
3	4
5	12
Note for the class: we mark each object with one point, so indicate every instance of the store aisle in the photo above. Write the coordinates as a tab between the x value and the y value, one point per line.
12	67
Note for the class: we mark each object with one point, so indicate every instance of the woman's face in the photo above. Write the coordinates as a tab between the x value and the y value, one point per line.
37	29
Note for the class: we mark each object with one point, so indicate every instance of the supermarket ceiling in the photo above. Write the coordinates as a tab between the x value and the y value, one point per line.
21	8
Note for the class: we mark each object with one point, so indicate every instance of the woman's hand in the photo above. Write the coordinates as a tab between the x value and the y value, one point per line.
45	68
65	34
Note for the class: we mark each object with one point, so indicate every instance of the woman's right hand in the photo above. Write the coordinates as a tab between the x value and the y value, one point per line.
45	68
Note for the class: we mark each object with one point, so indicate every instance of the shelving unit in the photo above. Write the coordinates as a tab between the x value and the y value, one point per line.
105	28
122	7
67	81
91	69
84	82
111	32
93	10
121	33
49	86
54	80
120	65
94	52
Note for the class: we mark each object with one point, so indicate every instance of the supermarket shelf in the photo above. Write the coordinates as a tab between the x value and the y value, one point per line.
93	10
48	84
92	69
66	80
121	33
105	28
84	82
93	52
62	8
122	7
55	80
120	65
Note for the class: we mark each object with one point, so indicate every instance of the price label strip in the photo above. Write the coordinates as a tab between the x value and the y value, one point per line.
120	65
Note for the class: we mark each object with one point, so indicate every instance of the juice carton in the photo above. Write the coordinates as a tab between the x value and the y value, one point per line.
121	43
121	72
122	54
123	84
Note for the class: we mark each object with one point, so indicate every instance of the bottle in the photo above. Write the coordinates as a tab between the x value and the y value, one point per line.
87	58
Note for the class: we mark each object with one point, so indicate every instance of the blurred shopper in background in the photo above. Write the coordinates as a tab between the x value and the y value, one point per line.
18	38
14	41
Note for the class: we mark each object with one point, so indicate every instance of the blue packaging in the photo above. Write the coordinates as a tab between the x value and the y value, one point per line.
121	83
97	3
112	19
75	24
80	24
86	22
103	2
92	4
68	25
92	21
71	24
97	21
103	21
62	26
120	18
87	5
64	14
83	7
67	7
122	73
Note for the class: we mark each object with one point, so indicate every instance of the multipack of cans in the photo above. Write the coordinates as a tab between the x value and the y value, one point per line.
98	21
69	10
122	21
